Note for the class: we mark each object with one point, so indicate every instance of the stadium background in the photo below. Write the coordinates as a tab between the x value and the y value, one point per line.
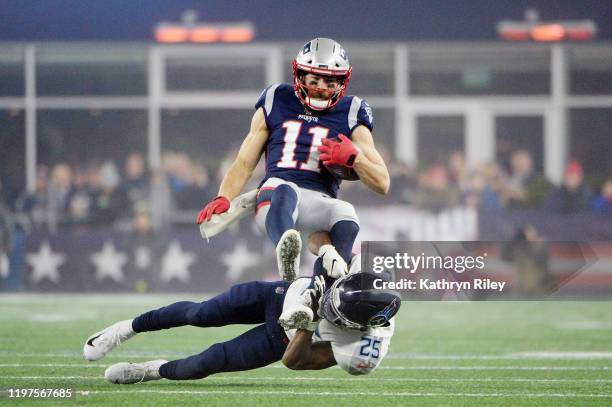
110	143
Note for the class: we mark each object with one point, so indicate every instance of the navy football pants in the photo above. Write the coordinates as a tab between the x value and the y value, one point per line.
248	303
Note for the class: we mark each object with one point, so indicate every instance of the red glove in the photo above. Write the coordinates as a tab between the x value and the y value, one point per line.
341	152
218	205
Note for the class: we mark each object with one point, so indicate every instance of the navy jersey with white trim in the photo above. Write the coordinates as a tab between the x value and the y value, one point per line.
295	133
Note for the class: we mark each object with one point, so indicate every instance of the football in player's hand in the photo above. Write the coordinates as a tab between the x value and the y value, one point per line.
342	172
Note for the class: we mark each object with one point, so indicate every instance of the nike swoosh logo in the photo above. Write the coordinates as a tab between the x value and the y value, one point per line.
90	342
333	262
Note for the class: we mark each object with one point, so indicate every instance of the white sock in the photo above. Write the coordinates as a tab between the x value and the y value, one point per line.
125	329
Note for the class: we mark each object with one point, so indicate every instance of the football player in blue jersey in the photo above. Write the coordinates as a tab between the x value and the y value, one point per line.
309	132
307	327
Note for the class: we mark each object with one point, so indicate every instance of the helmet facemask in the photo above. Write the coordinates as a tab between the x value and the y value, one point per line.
306	92
322	57
330	311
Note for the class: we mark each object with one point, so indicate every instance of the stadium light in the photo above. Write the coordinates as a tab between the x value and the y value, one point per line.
532	29
192	30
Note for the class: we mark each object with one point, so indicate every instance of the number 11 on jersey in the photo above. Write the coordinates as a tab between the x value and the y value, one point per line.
292	132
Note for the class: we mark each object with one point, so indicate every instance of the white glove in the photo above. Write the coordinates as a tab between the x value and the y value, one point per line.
302	312
333	263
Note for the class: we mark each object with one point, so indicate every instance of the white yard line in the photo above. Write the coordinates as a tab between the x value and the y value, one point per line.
536	355
346	394
525	368
563	355
340	379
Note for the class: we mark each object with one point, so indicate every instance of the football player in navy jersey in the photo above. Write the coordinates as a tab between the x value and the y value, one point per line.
308	132
301	323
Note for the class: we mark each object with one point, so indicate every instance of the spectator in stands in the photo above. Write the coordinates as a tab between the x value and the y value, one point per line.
188	181
483	188
34	205
110	202
194	188
59	190
457	170
524	189
434	192
79	200
136	183
573	195
603	202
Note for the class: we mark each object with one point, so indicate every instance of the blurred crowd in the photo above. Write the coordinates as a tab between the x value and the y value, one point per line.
129	196
105	193
491	186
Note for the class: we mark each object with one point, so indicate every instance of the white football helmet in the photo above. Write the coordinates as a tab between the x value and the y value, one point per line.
323	57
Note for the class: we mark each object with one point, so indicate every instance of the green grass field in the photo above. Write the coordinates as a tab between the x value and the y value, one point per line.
532	353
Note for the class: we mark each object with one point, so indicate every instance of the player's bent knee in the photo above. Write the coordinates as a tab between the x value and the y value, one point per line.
212	360
193	315
344	211
285	195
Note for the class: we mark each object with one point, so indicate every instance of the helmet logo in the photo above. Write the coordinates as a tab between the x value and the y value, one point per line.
343	54
383	316
306	48
377	320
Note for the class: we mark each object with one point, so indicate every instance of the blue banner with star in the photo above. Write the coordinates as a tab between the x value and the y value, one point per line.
179	261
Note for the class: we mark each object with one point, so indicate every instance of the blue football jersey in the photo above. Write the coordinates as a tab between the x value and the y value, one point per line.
296	133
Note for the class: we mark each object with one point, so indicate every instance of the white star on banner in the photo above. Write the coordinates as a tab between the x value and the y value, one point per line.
109	262
175	263
45	264
239	260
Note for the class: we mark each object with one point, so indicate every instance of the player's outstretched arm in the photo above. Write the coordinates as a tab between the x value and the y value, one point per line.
241	169
302	354
369	165
250	152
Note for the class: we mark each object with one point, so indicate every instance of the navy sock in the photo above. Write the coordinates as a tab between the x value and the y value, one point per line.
174	315
318	270
280	215
343	235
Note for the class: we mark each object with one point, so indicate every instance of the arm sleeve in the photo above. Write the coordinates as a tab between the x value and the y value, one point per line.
360	113
266	99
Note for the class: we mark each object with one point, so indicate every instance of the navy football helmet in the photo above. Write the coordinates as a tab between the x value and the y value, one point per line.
353	302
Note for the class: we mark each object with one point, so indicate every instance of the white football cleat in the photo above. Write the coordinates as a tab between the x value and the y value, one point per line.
288	254
297	317
100	343
130	373
333	263
299	307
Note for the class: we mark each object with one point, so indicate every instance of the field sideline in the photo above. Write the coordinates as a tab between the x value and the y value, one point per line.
494	353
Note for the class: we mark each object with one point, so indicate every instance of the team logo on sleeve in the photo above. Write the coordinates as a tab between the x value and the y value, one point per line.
368	111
